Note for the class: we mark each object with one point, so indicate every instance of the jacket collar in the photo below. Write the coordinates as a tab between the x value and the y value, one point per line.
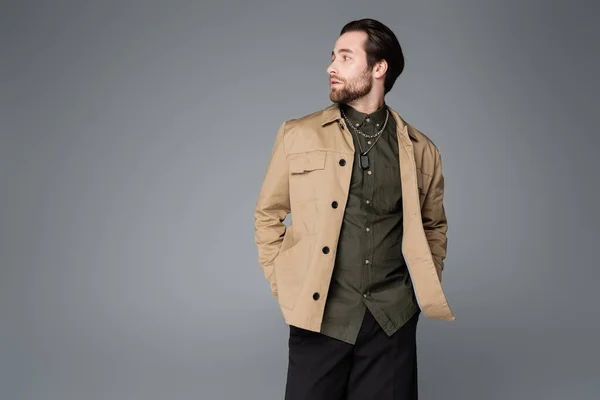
332	113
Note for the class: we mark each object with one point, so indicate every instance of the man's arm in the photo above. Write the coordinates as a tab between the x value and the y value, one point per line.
272	207
434	216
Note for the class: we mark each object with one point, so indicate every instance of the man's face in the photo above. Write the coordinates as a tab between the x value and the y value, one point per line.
349	77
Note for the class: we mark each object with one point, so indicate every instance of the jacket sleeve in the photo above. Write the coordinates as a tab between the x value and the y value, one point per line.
434	216
272	207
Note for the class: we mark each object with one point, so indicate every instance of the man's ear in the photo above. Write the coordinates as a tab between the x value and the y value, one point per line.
380	68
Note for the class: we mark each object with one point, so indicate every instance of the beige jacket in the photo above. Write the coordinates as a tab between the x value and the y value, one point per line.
309	169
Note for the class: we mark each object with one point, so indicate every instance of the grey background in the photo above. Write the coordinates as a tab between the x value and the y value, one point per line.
134	138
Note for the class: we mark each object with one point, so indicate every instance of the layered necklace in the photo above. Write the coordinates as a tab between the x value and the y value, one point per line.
364	158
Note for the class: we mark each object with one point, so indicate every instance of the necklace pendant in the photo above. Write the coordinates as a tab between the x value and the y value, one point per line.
364	161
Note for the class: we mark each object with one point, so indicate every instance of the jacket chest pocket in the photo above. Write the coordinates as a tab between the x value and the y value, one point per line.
307	175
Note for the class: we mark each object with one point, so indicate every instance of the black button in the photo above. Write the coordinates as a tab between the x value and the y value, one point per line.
334	204
316	296
342	162
326	250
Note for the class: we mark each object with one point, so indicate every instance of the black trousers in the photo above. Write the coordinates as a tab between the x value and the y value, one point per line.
376	367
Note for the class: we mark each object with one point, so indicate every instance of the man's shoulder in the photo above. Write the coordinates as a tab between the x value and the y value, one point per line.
422	139
311	119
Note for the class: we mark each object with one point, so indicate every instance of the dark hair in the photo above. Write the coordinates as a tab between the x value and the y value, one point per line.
381	44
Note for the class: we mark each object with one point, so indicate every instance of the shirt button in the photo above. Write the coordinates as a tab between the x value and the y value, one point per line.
367	201
368	119
365	295
334	204
368	229
316	296
368	142
369	172
342	162
326	250
366	261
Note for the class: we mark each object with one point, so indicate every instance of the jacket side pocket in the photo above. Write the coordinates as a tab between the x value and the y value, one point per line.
291	267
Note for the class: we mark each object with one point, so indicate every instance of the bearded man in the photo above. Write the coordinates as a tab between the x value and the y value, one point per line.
364	253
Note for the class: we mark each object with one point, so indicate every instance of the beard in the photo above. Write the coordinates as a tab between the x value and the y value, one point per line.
353	89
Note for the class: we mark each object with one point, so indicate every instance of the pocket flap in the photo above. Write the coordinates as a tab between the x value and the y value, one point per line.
308	161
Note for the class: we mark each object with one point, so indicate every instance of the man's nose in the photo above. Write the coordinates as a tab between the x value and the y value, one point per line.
330	69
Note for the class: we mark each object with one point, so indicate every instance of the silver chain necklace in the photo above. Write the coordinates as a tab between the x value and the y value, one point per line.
387	114
364	158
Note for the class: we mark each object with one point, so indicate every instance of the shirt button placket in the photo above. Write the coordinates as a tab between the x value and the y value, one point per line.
370	187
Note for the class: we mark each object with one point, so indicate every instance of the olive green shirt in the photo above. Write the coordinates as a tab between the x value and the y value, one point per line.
370	270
